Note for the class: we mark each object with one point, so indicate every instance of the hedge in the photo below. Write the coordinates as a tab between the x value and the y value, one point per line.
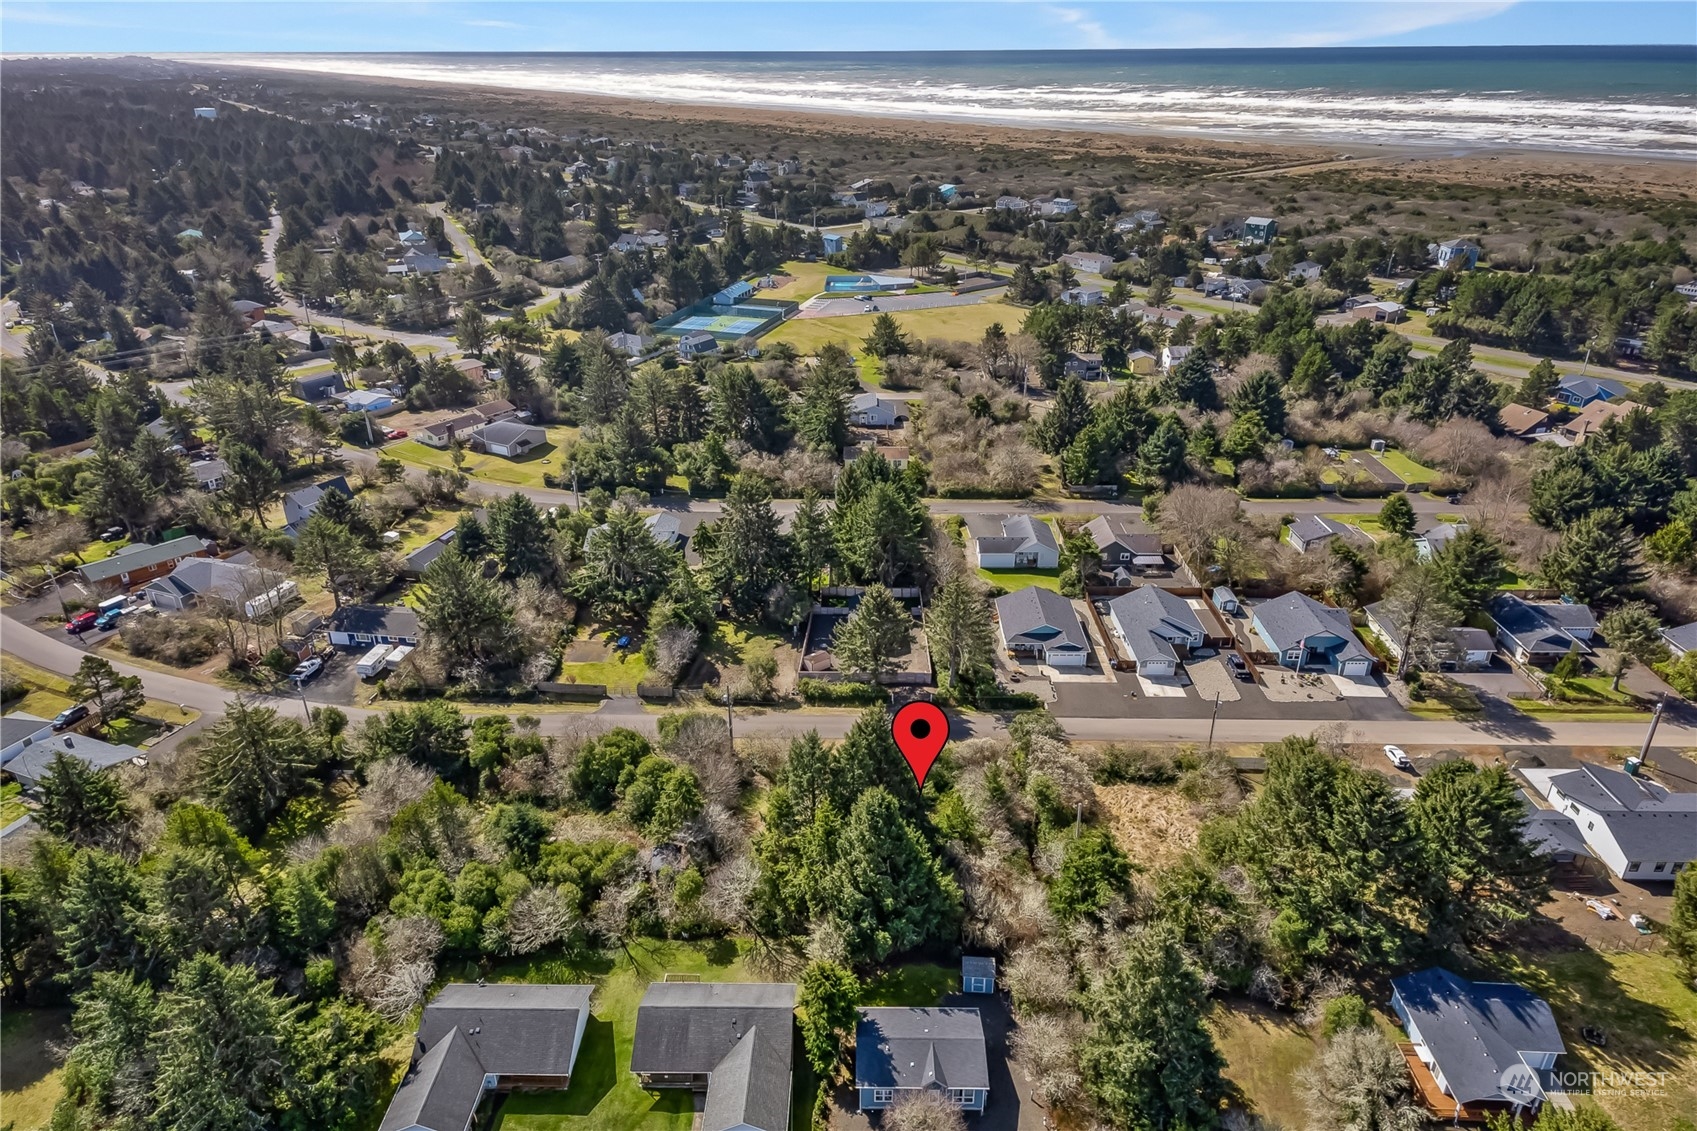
828	694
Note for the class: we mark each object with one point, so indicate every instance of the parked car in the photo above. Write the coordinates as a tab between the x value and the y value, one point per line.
1239	668
1453	499
107	619
1398	758
70	716
305	671
82	622
395	434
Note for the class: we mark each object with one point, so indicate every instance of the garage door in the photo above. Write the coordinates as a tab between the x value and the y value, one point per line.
1064	659
1156	668
1356	667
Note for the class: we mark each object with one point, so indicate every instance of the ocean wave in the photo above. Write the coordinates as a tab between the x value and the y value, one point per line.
1423	117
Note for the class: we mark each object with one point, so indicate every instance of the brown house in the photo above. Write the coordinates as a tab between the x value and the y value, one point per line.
1596	414
1518	420
141	563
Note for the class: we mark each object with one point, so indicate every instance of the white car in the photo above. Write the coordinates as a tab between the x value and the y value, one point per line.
1398	757
304	672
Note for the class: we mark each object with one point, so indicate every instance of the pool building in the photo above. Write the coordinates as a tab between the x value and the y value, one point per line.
866	284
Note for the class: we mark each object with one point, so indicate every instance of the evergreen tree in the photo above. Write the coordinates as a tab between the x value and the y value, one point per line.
1149	1061
79	803
325	546
302	913
252	761
466	615
222	1043
1397	516
1068	415
1682	921
888	895
1468	568
812	548
252	482
826	1009
1596	561
114	696
1162	457
749	554
1538	387
1634	633
886	338
624	569
959	631
876	634
1094	875
880	535
1262	395
1192	382
1485	877
519	537
471	332
100	919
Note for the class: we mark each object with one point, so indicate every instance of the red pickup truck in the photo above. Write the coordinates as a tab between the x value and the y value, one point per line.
82	622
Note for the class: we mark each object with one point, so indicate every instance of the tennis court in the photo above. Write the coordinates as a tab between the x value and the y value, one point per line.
733	325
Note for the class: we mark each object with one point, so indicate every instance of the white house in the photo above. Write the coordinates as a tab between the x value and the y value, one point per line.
1013	203
508	438
1541	633
361	626
1172	356
900	1052
1090	262
1483	1043
1039	624
1463	255
1158	628
1084	296
1001	541
1639	829
1060	206
696	343
869	410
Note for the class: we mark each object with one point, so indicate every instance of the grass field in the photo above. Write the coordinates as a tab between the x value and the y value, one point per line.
11	803
49	694
29	1078
524	472
957	323
806	280
1405	466
1264	1051
621	673
1011	579
1650	1017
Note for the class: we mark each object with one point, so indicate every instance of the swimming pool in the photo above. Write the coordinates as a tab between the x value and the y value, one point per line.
864	284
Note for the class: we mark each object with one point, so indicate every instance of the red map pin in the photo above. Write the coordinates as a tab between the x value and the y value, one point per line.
920	730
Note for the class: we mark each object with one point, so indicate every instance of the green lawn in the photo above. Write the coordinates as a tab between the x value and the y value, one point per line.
956	323
623	672
806	280
11	803
1264	1051
604	1095
1445	699
1012	579
1406	467
29	1076
1650	1017
524	472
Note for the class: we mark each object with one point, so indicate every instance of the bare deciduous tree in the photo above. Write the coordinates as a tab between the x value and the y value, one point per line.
539	918
1047	1047
1359	1084
674	647
924	1111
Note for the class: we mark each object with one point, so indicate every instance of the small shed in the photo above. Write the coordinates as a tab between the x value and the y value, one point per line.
1226	601
977	974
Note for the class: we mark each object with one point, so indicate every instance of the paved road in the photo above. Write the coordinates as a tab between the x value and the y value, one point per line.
62	656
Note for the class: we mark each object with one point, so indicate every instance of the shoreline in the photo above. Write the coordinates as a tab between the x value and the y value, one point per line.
1225	152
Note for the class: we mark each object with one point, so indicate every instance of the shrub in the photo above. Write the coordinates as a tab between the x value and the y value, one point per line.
11	687
1133	765
176	640
1346	1011
821	693
1010	701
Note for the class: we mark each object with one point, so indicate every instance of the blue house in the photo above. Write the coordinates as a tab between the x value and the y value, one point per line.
1305	634
947	192
899	1053
833	243
1260	229
1577	392
1463	255
733	294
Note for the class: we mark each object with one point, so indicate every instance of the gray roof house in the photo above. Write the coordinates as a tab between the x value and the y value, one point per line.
318	387
1682	639
358	626
256	590
1303	633
507	438
1120	545
208	474
1311	530
1001	541
662	526
1434	538
475	1039
1555	835
1639	829
1041	624
869	410
19	730
1158	628
900	1052
1577	392
732	1040
1460	647
298	506
1542	632
697	342
1484	1043
140	562
30	763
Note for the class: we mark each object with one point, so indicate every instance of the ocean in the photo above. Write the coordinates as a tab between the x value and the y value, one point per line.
1628	100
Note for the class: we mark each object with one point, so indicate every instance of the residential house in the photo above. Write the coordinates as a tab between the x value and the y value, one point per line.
1434	538
1681	640
902	1052
1158	628
361	626
509	439
412	237
472	368
627	243
697	342
1142	363
1260	229
1453	649
1555	835
1521	422
1083	296
441	433
374	401
1090	262
419	262
419	560
1639	829
250	310
1002	541
869	410
276	327
895	455
298	506
1311	530
1084	366
1172	356
1480	1046
239	584
1060	206
1013	203
1142	219
1379	310
1118	544
833	243
1304	634
1543	632
1593	417
977	974
662	526
139	563
209	474
476	1039
19	730
1577	392
633	345
1304	272
731	1040
1039	624
1459	255
30	764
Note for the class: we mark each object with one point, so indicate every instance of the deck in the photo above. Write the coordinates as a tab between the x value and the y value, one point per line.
1433	1099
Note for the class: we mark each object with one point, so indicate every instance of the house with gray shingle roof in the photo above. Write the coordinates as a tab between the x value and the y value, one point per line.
1120	544
1311	530
298	506
34	760
1435	537
1640	829
899	1053
474	1039
1002	541
731	1040
1576	391
1484	1043
139	562
1040	624
1305	634
1682	639
1541	632
1157	627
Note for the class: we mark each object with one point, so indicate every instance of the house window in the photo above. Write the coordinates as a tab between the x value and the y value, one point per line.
883	1095
1661	866
1590	826
1634	865
1125	557
960	1097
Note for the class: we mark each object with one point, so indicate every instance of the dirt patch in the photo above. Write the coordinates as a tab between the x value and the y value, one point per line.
1154	826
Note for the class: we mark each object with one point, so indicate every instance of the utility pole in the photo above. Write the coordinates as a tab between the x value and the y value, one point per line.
1655	718
1212	719
576	505
730	714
